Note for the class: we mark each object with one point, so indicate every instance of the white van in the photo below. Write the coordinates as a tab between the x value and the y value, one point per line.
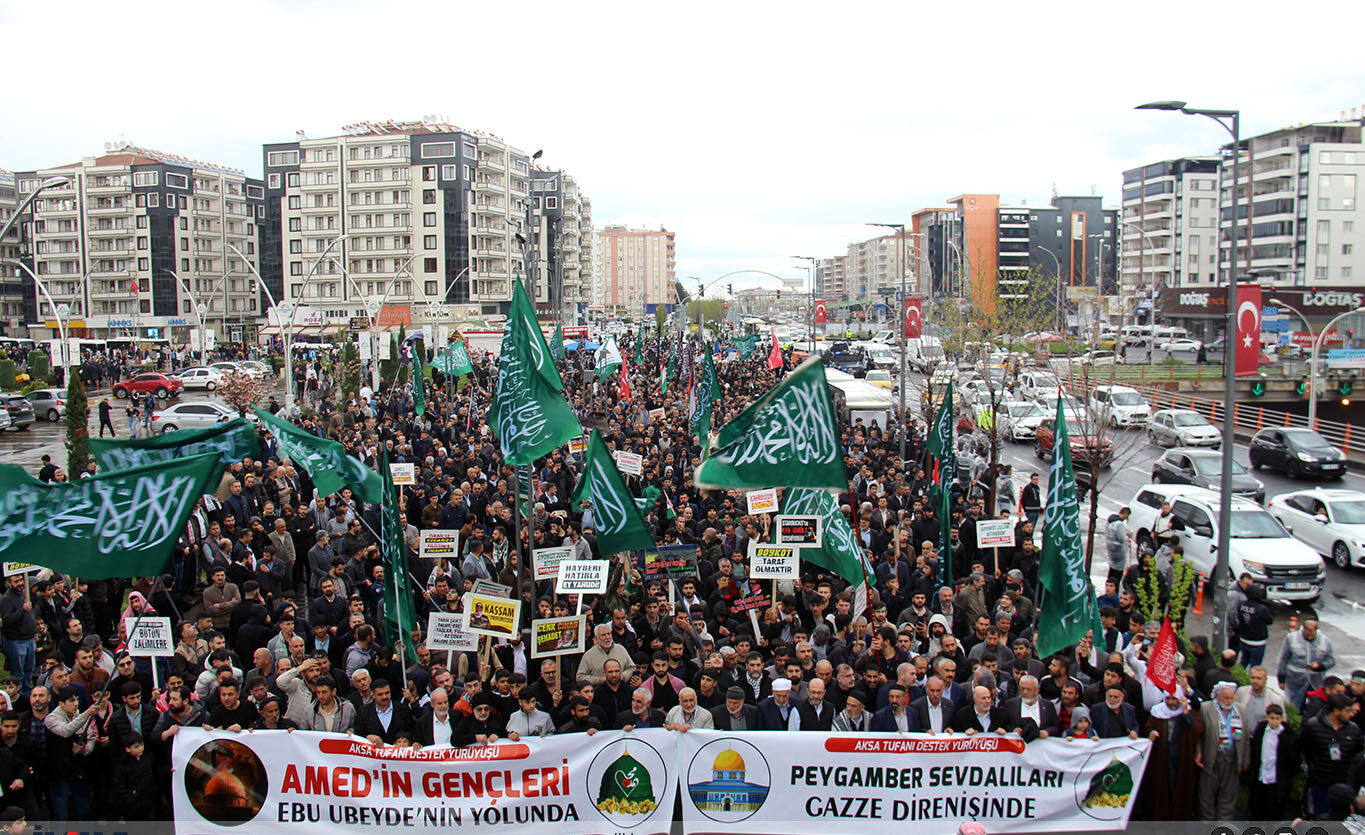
1119	406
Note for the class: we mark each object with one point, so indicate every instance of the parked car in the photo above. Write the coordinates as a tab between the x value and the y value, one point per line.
5	421
1086	444
226	368
1019	419
1176	345
1298	452
19	409
1204	468
199	415
201	377
1289	570
48	404
1330	521
979	391
256	367
879	377
1183	427
1119	406
161	385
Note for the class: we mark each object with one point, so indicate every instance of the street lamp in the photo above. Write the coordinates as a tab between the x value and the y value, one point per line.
1231	121
810	306
1318	339
61	311
199	311
900	329
1142	269
51	182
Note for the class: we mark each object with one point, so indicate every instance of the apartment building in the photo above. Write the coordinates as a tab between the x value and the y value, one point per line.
11	278
957	248
136	240
636	269
831	277
873	269
564	242
1075	241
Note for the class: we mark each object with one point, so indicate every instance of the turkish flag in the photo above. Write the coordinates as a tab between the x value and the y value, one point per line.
775	355
132	285
914	317
624	392
821	312
1248	351
1161	660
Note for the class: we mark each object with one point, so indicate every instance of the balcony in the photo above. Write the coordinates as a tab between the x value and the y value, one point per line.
489	207
93	187
492	162
97	210
111	251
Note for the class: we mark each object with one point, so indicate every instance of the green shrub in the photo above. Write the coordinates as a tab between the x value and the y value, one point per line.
77	424
8	371
39	367
34	385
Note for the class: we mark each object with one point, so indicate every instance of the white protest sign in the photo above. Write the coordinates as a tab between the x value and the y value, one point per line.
773	562
150	636
582	577
490	587
801	531
403	473
444	632
762	501
13	568
547	560
438	543
995	533
630	463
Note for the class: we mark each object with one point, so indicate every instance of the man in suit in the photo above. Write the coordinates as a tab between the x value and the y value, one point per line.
383	720
1031	715
641	713
1223	753
775	712
738	714
1114	717
438	724
896	717
933	712
982	715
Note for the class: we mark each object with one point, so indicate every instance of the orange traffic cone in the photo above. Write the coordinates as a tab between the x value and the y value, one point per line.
1293	623
1199	596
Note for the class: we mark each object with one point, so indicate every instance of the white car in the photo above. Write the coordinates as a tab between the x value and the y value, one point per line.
1047	400
201	415
225	368
48	404
256	367
202	377
1033	384
944	373
1183	427
1019	419
1330	521
980	391
1119	406
1176	345
5	420
1261	546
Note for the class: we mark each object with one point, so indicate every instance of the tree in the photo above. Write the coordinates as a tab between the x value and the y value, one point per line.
350	370
712	310
77	425
240	390
388	369
660	317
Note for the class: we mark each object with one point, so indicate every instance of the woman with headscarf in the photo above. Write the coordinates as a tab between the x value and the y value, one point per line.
1168	788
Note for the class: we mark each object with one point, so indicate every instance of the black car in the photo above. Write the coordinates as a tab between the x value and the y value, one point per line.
1298	452
20	410
1204	468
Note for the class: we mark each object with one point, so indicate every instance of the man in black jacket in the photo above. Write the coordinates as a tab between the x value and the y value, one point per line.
981	715
383	720
19	626
132	717
1270	782
1329	741
737	714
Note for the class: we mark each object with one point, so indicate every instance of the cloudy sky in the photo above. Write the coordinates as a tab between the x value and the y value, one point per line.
753	130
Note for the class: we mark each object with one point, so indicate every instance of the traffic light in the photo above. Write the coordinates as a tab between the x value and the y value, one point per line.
1345	386
731	288
1301	387
779	295
1258	388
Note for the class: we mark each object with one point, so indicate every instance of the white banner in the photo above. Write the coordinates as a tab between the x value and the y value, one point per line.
762	501
291	783
891	784
434	542
582	577
403	474
546	561
444	632
152	637
630	463
995	533
774	562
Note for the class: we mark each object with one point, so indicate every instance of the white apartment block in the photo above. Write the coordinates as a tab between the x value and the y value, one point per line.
11	278
831	277
1169	232
137	240
637	269
870	266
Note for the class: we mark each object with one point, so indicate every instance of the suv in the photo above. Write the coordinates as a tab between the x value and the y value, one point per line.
19	409
1119	406
1034	383
1289	570
1086	443
152	382
1299	452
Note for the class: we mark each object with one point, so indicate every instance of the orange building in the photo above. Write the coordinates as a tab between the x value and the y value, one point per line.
979	215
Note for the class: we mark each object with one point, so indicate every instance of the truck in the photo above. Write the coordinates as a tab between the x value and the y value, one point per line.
923	353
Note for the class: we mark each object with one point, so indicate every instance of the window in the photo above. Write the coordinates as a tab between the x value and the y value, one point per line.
142	242
255	191
428	196
429	242
145	178
142	222
139	200
294	201
296	268
471	151
429	265
428	218
295	224
278	158
430	288
274	180
1345	272
551	202
1320	273
293	179
438	149
1346	249
184	224
450	172
428	173
176	180
184	265
296	246
469	172
142	264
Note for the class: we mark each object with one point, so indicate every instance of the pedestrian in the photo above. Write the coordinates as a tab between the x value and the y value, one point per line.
1168	786
1031	500
1252	619
130	412
1274	764
1116	544
19	628
1222	755
1304	659
1330	741
106	417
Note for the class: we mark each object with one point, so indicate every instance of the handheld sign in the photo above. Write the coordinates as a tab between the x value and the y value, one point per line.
762	501
582	577
558	636
14	568
671	561
492	589
578	445
403	474
995	533
630	463
444	632
496	617
773	562
436	543
800	531
547	560
151	636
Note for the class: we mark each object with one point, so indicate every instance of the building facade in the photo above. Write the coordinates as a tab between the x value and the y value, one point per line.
637	269
564	242
831	277
1074	243
1170	228
11	277
136	241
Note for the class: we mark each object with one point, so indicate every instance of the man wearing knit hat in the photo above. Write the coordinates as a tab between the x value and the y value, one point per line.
737	715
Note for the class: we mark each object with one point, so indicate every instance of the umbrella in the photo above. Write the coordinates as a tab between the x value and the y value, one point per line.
588	345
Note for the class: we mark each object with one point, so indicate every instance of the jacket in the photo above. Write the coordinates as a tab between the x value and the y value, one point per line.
18	625
770	716
1298	653
884	720
1317	740
920	707
1107	725
721	717
1209	714
1116	542
1287	754
299	698
1047	714
344	723
400	723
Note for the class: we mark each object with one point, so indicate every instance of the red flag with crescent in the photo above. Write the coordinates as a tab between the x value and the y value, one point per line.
1248	336
914	317
775	354
821	311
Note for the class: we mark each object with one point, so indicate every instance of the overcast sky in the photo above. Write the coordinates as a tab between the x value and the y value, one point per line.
754	131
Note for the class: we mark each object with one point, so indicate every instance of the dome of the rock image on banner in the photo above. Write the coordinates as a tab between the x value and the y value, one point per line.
728	780
226	782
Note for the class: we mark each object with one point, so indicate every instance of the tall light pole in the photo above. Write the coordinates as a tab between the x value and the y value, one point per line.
900	329
810	306
1142	269
61	311
50	182
1231	121
962	266
199	311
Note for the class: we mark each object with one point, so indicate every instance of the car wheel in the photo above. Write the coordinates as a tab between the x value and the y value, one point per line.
1341	555
1156	477
211	385
1038	451
162	393
23	427
1151	437
1255	462
169	427
121	393
53	416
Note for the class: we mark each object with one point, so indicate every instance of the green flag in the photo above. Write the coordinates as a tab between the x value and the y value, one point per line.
637	354
118	524
616	517
671	374
789	437
419	394
231	440
708	391
839	551
607	359
326	462
400	618
459	354
557	344
528	414
942	447
1067	608
745	345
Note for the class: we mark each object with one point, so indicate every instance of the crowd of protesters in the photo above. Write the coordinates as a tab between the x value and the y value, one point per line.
276	596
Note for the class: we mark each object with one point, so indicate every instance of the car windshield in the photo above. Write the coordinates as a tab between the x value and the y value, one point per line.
1351	512
1307	439
1044	381
1213	465
1078	428
1255	524
1025	410
1188	419
1126	398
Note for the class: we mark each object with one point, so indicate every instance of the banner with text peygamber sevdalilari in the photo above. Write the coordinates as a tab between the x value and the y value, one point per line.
891	784
280	783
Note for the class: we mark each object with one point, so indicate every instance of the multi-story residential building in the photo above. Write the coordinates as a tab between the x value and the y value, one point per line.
564	242
872	270
11	277
137	240
831	277
637	269
1074	242
932	232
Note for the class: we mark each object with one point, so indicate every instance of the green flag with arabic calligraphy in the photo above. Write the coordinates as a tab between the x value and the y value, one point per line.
615	515
326	462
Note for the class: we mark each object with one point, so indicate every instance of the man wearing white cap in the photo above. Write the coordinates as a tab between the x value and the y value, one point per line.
1222	754
774	712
